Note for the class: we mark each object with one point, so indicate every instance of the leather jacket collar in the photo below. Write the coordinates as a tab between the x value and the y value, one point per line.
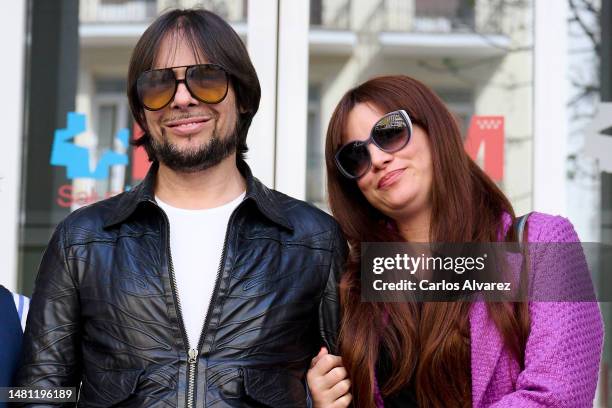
256	191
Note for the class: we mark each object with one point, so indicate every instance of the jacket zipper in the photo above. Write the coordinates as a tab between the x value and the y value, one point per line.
213	298
192	354
191	374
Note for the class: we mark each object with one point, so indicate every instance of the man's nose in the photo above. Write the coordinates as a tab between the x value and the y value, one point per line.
182	97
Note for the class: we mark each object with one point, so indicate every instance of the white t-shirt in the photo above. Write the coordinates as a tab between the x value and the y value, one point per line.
196	244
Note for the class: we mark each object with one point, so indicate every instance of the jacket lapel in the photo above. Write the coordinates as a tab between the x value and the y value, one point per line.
267	202
486	346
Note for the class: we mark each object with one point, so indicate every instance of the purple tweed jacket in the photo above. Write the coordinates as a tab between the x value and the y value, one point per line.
563	350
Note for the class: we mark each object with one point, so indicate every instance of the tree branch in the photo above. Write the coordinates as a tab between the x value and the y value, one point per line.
583	25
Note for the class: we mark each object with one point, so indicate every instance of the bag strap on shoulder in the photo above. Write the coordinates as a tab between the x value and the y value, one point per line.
521	222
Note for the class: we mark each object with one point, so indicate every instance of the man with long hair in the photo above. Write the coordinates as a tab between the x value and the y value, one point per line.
200	286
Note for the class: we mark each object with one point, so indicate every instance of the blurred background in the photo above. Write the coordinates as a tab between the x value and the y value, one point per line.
529	82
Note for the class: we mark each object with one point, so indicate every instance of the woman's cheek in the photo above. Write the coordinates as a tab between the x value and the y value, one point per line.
365	185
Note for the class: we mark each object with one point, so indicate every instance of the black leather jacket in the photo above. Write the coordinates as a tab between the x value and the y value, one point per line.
105	311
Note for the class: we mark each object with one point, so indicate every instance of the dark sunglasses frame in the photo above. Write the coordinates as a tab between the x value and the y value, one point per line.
183	81
369	140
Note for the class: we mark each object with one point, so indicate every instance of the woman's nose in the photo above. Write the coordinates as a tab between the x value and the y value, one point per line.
380	158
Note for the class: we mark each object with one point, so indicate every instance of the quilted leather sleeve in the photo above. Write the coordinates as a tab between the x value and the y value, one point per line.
329	307
51	350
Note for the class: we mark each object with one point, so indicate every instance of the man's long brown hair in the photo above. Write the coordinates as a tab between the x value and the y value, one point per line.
427	345
211	37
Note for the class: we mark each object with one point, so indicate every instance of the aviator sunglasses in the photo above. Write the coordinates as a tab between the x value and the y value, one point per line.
207	83
390	134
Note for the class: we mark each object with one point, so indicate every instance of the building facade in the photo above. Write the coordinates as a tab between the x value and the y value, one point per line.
498	64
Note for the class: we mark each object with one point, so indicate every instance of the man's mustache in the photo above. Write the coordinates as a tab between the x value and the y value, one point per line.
189	115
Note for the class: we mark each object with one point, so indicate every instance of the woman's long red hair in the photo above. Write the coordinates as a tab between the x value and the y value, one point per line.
428	346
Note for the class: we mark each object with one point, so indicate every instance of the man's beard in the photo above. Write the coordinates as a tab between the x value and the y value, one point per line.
199	158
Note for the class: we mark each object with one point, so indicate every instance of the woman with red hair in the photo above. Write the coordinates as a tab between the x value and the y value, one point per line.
398	172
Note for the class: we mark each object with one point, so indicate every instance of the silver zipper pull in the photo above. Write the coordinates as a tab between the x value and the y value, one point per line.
193	355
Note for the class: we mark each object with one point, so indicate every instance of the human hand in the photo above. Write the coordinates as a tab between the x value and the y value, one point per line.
328	381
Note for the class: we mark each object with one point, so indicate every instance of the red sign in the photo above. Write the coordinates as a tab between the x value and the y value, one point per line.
140	160
487	132
67	197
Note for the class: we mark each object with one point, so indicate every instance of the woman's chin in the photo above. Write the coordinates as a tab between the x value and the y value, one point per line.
400	208
399	200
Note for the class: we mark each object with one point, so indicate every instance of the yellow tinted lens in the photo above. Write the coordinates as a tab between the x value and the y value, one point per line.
156	88
208	83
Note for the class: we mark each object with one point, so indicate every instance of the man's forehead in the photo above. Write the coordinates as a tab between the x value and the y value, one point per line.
176	48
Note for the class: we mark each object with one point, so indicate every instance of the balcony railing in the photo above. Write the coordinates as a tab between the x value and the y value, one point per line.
440	16
103	11
330	14
144	11
430	16
395	15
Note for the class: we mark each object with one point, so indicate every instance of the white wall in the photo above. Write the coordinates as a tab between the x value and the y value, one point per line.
262	32
13	27
292	108
550	98
509	93
277	38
